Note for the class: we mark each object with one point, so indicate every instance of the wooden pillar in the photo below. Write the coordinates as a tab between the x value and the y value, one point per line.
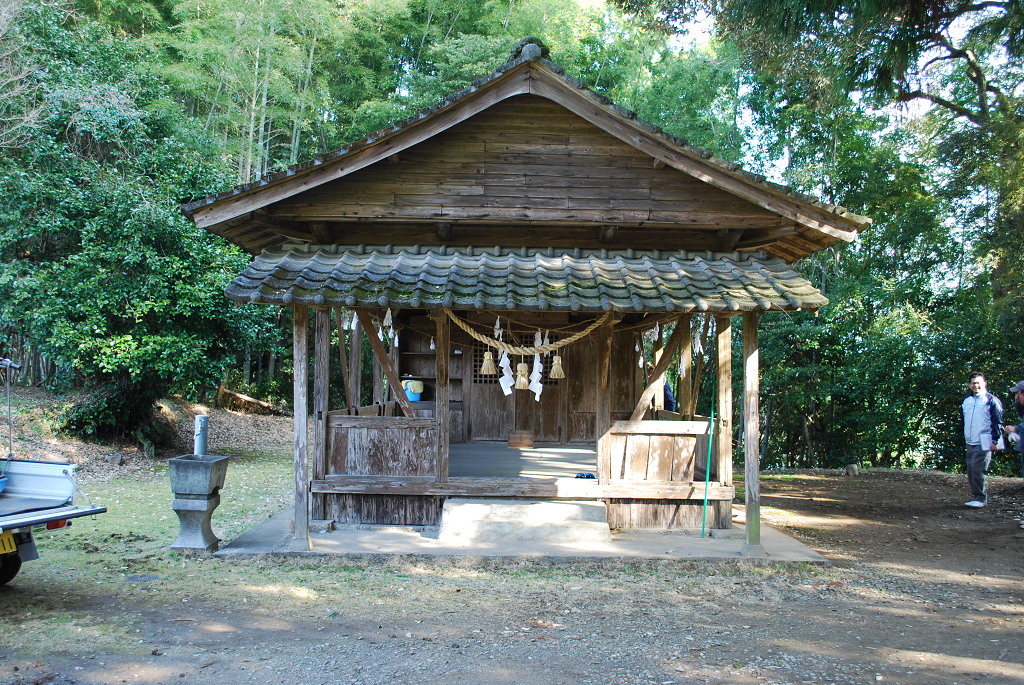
441	412
657	376
752	474
603	422
355	363
396	361
343	361
321	371
658	382
378	380
684	397
381	355
723	325
300	380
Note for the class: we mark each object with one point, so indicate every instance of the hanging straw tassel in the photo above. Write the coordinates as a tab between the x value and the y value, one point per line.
488	368
556	368
522	376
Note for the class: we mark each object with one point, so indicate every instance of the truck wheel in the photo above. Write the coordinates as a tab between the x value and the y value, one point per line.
10	564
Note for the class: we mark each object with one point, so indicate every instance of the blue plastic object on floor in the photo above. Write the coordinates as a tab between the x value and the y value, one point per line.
3	483
585	475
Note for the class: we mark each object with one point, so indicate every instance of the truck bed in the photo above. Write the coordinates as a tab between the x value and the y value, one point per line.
24	504
38	492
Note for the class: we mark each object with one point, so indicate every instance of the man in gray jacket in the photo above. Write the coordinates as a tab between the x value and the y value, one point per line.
982	415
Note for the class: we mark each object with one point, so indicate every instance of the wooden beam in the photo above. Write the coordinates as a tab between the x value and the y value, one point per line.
300	379
751	443
606	234
658	349
382	357
355	363
658	164
443	231
754	238
659	371
394	159
723	324
659	428
320	232
336	420
547	488
346	387
684	396
603	410
727	238
321	384
441	410
516	82
396	359
378	380
285	227
698	370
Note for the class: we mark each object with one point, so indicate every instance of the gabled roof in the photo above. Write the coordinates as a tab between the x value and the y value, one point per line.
524	279
527	73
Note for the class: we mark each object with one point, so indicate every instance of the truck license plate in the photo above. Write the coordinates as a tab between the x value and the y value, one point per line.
7	542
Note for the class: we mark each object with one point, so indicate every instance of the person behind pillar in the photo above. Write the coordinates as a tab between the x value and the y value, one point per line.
982	415
1015	434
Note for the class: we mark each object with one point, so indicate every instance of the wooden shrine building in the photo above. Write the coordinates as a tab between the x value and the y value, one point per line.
531	201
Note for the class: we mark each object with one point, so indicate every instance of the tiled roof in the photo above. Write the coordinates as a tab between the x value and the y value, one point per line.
517	59
523	278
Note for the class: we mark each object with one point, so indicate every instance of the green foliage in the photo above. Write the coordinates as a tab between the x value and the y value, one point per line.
100	269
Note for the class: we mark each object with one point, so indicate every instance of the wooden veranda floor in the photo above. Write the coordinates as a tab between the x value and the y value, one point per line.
543	460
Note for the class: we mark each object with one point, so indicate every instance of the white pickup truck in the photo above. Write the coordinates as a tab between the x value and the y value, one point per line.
34	495
37	495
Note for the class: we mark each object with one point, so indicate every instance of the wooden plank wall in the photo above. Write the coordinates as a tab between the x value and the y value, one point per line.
398	510
528	160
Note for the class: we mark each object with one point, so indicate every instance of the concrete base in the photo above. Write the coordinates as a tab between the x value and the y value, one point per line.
275	537
476	521
753	551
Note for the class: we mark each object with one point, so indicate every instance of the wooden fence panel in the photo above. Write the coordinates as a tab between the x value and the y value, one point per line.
381	446
660	451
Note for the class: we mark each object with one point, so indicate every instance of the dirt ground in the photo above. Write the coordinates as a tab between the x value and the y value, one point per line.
919	590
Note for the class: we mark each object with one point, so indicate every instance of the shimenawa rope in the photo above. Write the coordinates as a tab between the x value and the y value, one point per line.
514	349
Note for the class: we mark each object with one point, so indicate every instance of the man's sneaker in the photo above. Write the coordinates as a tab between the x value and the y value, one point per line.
974	504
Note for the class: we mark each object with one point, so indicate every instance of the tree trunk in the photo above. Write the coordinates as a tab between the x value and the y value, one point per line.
247	170
768	414
293	156
809	455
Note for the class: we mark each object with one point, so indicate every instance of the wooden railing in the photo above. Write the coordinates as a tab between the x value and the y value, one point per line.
660	451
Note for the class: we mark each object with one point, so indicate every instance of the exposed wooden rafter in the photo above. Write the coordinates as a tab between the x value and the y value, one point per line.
606	234
320	232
